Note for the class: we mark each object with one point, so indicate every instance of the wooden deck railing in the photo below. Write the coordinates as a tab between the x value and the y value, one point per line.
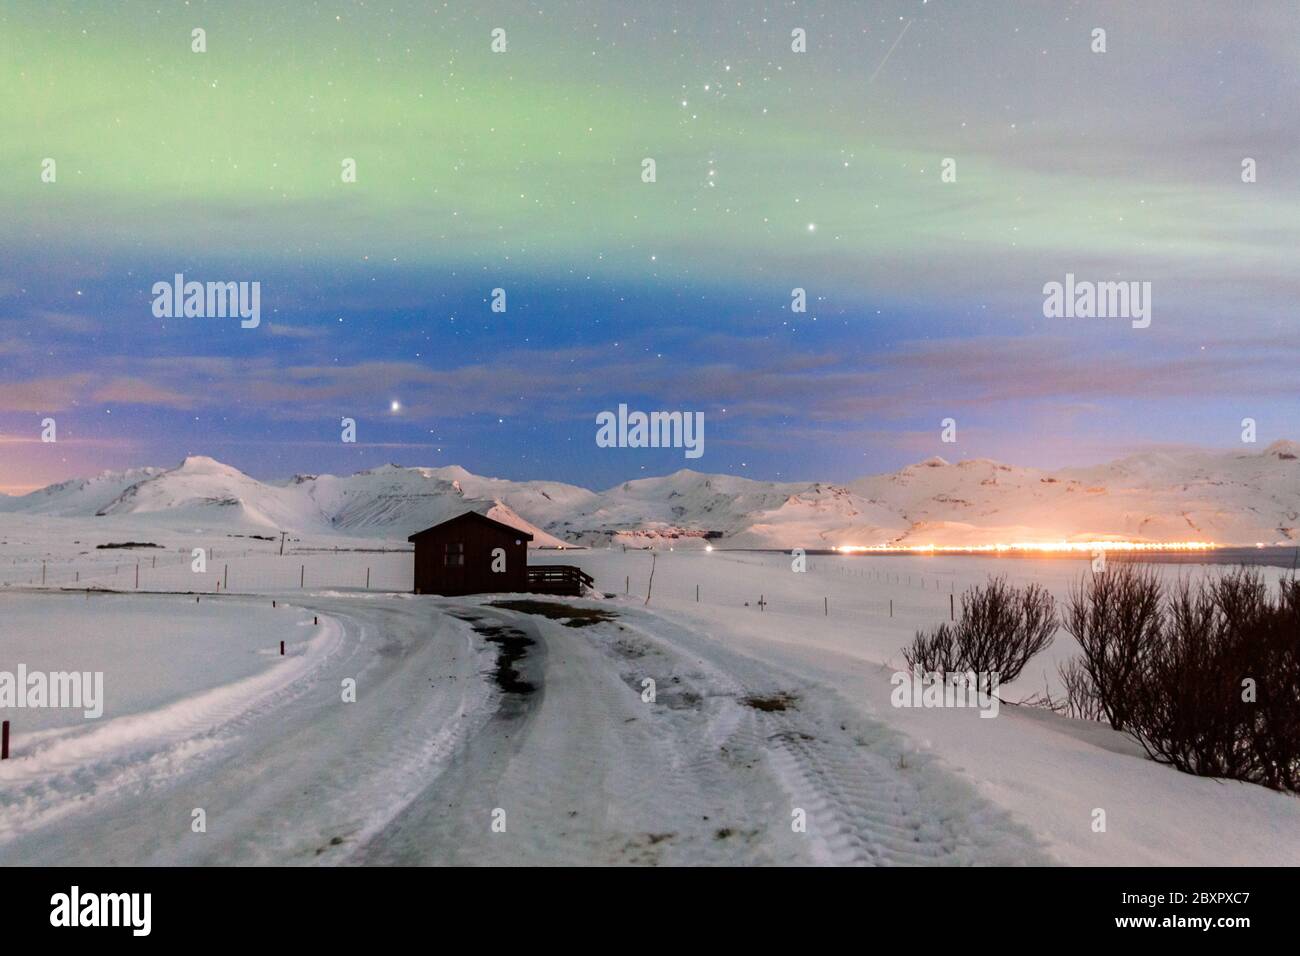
558	579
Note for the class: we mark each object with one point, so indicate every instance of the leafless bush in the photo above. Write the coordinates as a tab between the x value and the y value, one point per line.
1001	628
1081	700
935	652
1115	616
1207	679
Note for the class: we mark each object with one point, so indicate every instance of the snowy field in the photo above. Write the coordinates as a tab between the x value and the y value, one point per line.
464	713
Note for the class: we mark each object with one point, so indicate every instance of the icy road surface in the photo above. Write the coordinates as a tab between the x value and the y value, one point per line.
468	715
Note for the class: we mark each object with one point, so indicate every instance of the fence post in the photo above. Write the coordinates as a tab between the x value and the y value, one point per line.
42	574
302	574
225	577
367	579
826	607
137	575
4	741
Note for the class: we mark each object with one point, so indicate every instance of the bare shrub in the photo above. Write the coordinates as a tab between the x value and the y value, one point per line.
1081	700
932	653
1209	681
1001	628
1115	616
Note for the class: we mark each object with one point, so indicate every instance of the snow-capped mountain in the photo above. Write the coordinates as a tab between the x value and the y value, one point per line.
1225	497
202	492
77	496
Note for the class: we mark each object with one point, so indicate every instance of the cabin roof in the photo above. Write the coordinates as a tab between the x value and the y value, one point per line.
473	516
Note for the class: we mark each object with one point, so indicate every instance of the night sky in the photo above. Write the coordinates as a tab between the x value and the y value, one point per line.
522	170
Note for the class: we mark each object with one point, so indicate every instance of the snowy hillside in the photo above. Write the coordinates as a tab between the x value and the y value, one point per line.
78	496
204	493
686	505
1225	497
1228	498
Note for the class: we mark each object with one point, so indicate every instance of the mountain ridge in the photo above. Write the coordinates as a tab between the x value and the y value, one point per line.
1227	497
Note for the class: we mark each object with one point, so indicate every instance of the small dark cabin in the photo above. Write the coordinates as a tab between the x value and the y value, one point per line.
455	557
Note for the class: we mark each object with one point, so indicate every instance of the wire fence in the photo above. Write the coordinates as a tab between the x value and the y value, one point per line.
883	593
912	595
216	570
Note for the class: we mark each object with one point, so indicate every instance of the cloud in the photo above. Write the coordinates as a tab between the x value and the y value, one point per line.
137	391
67	322
41	395
280	330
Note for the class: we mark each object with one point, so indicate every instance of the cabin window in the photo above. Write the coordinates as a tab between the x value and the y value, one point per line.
455	555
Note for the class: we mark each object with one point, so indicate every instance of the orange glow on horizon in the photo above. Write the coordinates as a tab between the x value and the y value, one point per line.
1051	547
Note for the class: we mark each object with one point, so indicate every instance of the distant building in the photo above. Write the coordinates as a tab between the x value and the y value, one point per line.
459	557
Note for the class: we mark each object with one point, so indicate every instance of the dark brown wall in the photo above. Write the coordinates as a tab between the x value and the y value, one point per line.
433	576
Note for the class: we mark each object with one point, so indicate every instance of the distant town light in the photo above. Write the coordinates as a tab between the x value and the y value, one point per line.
1032	546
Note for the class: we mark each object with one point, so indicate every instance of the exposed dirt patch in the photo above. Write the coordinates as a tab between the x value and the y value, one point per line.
566	614
512	646
334	841
630	649
770	703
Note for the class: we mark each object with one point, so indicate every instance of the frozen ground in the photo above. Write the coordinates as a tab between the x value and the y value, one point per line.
1050	772
202	712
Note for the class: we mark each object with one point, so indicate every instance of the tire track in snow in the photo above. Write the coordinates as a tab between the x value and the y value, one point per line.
864	804
293	778
586	770
74	770
588	773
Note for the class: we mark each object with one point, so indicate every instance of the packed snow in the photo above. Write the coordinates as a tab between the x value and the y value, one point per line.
771	704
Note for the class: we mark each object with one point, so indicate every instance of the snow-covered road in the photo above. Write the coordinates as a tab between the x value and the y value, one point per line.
445	739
